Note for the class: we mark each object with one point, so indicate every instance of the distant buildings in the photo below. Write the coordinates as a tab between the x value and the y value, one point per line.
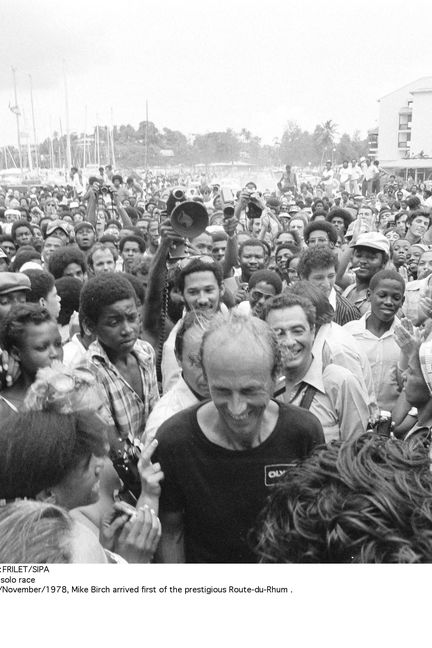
403	140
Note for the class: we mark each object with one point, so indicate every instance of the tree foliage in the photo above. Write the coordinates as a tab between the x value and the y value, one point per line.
295	146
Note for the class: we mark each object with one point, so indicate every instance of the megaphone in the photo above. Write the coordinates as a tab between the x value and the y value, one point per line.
189	219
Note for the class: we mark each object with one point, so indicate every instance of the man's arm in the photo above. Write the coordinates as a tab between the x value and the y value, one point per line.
121	210
156	283
91	206
344	280
171	545
231	251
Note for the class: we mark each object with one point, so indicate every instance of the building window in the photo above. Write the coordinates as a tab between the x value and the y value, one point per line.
404	140
404	121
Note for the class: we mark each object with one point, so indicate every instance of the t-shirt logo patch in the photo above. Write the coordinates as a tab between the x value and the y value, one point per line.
274	472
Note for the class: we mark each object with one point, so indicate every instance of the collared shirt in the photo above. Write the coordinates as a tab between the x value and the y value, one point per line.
340	404
74	352
344	311
360	302
178	398
129	413
336	346
383	355
414	290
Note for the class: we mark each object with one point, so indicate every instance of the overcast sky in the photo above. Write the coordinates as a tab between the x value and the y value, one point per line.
209	65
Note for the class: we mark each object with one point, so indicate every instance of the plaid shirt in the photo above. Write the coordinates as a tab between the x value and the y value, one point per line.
129	413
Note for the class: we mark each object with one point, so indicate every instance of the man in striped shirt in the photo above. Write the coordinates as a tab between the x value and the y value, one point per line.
318	265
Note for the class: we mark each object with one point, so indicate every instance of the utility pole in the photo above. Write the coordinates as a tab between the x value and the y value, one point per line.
51	145
112	161
146	139
36	145
68	144
17	115
108	144
97	141
85	139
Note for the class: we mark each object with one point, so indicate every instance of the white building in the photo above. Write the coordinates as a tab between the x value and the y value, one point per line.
405	122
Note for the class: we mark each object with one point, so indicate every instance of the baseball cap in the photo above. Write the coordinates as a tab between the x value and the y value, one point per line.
13	281
293	209
79	226
57	224
373	240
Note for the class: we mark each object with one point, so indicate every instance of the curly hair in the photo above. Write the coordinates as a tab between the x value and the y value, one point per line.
321	226
367	500
316	258
267	276
25	253
382	275
324	310
41	284
20	223
294	249
132	238
69	290
62	257
418	212
294	234
14	325
339	212
103	290
197	264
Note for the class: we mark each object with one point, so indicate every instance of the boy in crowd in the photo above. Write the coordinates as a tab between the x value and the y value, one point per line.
123	364
374	333
43	291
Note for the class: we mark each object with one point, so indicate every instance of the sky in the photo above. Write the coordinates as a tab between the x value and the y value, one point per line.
205	66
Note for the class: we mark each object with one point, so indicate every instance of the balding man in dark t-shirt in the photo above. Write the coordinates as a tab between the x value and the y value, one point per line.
221	458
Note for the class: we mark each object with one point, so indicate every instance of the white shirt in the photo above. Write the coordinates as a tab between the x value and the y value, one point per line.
73	352
338	347
340	404
178	398
383	354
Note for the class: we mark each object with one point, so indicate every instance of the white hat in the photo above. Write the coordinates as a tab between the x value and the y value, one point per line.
374	240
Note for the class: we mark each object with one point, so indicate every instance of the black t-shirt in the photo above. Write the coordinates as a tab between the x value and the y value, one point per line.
221	492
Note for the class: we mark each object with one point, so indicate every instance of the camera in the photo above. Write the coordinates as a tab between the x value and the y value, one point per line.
107	188
179	194
383	424
253	209
125	457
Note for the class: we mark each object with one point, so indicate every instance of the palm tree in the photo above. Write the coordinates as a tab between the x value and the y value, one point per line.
324	136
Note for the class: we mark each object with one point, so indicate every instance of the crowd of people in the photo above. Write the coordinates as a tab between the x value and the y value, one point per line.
196	374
